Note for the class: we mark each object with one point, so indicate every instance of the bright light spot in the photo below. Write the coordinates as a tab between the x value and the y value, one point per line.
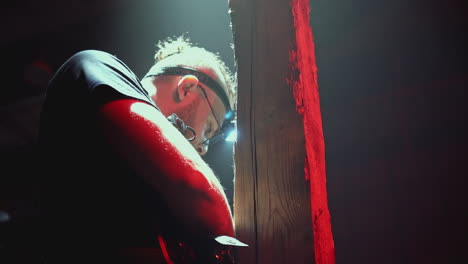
228	115
232	136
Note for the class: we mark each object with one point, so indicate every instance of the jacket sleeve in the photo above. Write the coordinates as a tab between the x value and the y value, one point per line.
140	134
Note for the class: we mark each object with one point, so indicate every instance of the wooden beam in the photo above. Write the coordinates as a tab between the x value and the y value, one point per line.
271	201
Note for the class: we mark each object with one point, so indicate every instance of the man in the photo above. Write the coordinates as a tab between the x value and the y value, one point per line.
121	157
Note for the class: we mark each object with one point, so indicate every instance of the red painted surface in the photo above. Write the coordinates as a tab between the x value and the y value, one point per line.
305	88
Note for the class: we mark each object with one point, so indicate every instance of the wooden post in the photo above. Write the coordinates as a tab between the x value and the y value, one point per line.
271	201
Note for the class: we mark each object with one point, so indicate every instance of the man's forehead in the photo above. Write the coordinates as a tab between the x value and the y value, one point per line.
213	72
216	75
188	60
211	76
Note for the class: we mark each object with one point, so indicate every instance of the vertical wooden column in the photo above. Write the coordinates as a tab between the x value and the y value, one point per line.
271	203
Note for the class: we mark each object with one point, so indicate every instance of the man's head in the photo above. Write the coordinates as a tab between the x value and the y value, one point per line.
194	84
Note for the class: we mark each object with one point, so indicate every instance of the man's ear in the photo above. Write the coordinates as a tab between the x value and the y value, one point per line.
187	84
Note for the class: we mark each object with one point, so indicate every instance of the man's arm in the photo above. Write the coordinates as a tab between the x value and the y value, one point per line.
158	152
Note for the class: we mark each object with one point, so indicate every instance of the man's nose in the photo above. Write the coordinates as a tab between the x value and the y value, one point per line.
202	149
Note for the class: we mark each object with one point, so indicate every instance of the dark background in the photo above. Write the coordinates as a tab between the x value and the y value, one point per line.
392	78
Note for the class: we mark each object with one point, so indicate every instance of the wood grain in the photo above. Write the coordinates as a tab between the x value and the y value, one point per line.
271	201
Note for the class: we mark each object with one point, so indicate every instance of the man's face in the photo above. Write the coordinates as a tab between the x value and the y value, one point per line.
205	120
190	100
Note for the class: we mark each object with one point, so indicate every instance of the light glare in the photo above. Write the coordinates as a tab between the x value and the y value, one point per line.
232	136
